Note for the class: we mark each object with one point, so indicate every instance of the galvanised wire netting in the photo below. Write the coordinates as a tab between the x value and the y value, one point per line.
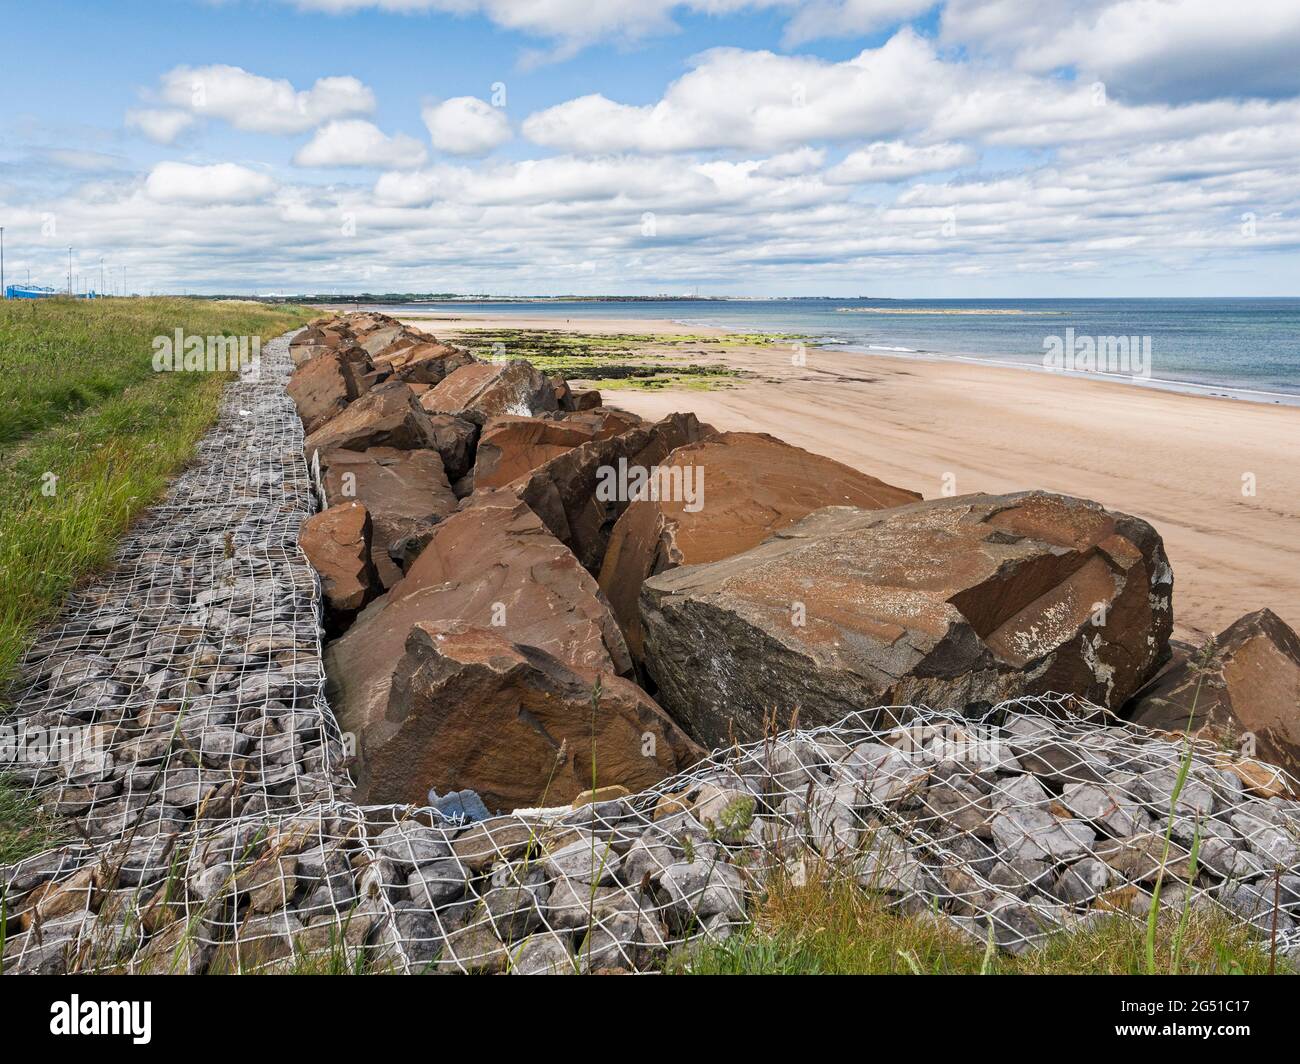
217	834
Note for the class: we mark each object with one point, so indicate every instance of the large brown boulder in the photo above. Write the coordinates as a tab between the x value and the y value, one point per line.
581	493
489	389
957	602
406	493
385	338
323	386
425	362
471	709
510	446
386	416
489	566
318	338
1244	685
455	440
754	484
336	542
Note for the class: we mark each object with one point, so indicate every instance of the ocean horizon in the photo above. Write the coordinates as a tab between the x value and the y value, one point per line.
1236	347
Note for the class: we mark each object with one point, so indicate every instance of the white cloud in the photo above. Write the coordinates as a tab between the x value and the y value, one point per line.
1143	49
160	126
754	100
263	105
578	22
850	18
466	125
896	161
356	142
172	182
792	163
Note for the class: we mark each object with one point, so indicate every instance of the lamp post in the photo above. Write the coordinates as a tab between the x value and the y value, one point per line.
4	294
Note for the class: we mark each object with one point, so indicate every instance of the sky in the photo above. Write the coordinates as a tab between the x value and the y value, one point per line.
973	148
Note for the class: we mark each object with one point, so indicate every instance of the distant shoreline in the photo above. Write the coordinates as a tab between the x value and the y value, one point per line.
1178	386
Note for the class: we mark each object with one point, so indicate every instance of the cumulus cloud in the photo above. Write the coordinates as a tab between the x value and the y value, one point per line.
172	182
466	125
1171	50
850	18
896	161
262	105
742	99
356	142
160	126
763	171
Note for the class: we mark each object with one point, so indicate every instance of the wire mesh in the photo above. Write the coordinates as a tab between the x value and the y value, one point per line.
217	834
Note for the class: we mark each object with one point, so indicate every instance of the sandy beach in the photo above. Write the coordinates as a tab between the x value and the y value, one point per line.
1185	463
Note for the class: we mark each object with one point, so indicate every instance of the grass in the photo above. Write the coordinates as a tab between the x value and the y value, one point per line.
834	927
24	828
89	436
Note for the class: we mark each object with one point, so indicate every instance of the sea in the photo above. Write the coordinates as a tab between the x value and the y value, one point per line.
1246	349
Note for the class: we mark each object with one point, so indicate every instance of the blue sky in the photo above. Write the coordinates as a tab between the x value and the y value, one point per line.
967	148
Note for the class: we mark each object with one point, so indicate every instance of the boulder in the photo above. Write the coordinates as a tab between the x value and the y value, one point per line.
386	338
510	447
489	389
754	484
454	439
581	493
604	420
386	416
953	603
490	566
319	337
469	708
580	399
406	493
323	386
424	362
1246	683
337	543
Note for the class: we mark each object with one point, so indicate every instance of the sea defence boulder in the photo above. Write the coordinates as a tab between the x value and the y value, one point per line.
581	493
468	708
318	338
424	362
953	603
488	566
405	492
386	416
1242	690
482	390
754	484
337	542
510	447
324	385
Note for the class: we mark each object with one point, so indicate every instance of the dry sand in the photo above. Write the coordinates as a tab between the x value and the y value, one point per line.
1176	460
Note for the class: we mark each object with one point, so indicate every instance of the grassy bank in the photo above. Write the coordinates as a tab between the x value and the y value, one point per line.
837	928
89	436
